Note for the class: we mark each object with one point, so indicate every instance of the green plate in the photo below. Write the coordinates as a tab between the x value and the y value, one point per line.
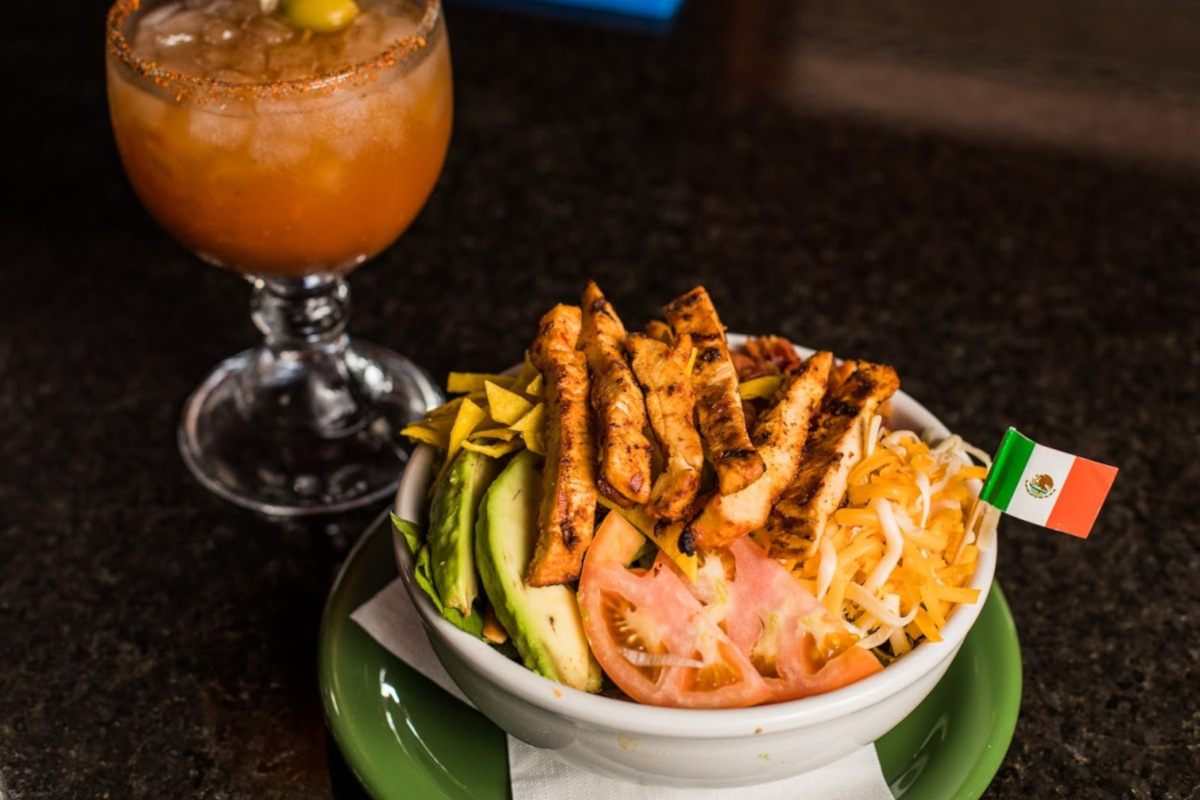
405	738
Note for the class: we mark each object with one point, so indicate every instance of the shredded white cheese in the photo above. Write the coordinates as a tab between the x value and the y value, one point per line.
640	658
895	545
876	606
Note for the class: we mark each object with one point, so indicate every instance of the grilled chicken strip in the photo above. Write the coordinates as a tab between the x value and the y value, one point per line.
781	434
835	446
617	403
566	514
718	404
662	372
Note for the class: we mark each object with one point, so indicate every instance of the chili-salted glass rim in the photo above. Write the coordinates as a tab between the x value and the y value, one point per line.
200	88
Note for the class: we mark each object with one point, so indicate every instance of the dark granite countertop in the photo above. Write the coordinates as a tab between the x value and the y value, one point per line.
1001	199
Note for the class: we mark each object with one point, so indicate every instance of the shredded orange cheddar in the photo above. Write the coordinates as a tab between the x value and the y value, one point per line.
893	575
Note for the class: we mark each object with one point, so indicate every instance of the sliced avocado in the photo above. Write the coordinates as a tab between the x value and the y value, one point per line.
452	527
472	623
543	622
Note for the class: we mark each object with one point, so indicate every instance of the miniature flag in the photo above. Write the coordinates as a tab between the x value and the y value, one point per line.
1046	487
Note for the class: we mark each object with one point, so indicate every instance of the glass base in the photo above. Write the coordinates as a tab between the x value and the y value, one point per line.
265	463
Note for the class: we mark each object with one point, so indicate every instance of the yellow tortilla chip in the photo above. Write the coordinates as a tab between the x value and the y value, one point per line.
531	426
666	537
533	418
657	329
427	435
535	387
505	407
449	409
493	450
472	382
465	421
504	434
760	388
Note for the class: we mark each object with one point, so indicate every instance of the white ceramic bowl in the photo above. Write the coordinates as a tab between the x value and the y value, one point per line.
686	747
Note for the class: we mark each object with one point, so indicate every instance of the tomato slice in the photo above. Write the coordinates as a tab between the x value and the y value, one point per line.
652	636
793	641
745	633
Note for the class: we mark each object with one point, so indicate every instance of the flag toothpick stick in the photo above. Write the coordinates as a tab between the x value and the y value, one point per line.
1045	486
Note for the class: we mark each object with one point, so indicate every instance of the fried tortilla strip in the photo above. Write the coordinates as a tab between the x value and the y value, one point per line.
670	402
617	403
667	535
657	329
719	406
566	515
781	433
835	446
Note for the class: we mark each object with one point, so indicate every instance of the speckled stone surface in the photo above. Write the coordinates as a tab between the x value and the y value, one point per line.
807	164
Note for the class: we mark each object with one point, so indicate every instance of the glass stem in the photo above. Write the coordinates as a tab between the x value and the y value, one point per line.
300	376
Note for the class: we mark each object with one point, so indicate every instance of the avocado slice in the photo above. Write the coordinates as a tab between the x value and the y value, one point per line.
414	538
543	622
452	527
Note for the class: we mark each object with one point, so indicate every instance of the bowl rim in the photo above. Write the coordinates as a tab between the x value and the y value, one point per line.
516	679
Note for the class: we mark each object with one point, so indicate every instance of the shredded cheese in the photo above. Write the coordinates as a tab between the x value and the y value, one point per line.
895	544
641	658
826	568
894	561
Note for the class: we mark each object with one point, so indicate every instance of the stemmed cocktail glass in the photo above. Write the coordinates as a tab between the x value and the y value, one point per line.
290	155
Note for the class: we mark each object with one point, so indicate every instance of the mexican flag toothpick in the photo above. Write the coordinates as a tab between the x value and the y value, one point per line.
1045	486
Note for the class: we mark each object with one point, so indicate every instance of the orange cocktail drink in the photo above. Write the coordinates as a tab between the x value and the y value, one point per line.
273	150
288	141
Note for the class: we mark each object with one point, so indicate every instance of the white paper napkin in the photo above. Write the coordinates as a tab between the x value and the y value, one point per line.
390	619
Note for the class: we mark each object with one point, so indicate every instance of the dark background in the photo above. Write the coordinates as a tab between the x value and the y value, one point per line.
1000	198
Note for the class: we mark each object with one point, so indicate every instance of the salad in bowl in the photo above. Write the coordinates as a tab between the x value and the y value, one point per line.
687	557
